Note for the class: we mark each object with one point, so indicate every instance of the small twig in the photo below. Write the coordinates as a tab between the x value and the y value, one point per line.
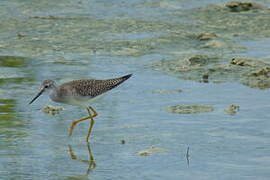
187	156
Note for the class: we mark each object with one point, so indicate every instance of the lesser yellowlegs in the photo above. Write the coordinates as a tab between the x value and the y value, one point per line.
79	93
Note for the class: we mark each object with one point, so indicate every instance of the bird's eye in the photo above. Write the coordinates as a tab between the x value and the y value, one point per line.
46	86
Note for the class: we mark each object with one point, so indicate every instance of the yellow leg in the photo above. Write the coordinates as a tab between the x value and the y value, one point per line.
92	109
92	121
74	123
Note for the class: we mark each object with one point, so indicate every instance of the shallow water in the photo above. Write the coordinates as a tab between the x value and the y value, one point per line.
65	40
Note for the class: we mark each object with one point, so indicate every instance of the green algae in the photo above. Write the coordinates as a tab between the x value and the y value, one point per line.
82	38
52	110
248	71
15	80
206	36
9	121
239	6
50	17
216	26
232	109
189	109
12	61
234	19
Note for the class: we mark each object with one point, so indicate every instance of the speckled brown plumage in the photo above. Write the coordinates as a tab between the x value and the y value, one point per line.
90	87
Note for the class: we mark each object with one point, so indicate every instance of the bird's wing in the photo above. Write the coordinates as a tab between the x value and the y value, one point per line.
96	87
92	87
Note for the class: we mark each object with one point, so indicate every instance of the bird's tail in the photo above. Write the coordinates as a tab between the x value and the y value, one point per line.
112	83
120	80
126	77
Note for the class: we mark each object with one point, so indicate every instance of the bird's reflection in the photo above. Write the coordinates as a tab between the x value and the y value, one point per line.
91	161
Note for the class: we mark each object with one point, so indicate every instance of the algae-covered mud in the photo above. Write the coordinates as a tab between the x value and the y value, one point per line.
150	151
189	109
221	27
232	109
250	72
194	64
52	110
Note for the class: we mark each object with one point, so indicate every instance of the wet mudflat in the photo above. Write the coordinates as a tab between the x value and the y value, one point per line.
200	82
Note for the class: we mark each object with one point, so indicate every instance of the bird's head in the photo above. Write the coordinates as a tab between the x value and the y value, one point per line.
46	86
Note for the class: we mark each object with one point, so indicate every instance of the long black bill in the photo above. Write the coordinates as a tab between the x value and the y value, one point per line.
40	92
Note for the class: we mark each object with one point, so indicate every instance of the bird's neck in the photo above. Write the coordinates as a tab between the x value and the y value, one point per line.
54	94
